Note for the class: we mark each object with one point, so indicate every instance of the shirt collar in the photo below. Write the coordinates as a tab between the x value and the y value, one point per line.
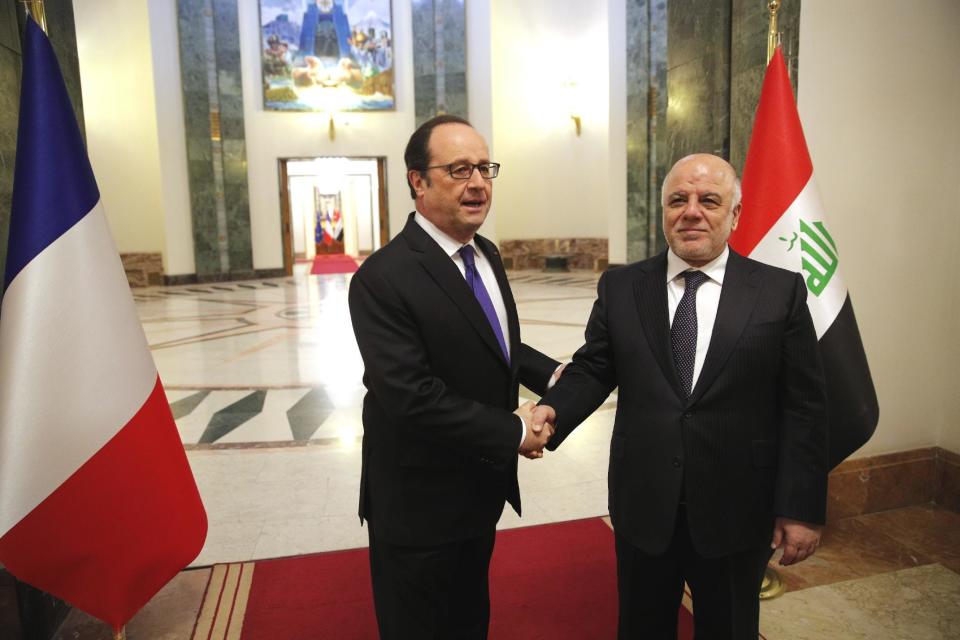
448	244
713	269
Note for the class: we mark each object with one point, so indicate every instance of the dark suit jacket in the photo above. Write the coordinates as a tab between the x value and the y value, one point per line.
750	442
439	436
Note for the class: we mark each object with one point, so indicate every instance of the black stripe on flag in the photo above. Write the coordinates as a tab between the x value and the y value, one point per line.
852	406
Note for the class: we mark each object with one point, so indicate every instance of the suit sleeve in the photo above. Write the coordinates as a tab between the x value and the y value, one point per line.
398	374
589	378
801	489
535	369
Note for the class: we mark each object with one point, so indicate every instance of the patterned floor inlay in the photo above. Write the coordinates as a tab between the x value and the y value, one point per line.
229	418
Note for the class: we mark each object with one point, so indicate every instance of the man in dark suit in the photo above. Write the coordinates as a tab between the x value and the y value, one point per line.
440	339
718	453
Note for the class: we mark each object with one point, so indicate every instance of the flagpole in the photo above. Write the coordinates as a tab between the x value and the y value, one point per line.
36	11
773	584
773	34
120	634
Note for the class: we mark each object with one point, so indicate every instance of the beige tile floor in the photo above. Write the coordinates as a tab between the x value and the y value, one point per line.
268	495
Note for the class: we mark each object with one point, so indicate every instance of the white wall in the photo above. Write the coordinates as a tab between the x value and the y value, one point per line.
137	137
172	141
553	183
879	96
480	88
272	135
116	72
302	214
617	150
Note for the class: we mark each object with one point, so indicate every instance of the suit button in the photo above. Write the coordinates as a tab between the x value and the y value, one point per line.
677	462
687	415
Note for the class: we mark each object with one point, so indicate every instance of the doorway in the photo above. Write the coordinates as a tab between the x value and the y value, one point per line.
332	206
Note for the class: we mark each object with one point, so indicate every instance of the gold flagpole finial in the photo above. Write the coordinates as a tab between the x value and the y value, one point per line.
120	634
35	9
773	35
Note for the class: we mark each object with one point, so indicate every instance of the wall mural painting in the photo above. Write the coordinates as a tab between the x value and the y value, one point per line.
327	55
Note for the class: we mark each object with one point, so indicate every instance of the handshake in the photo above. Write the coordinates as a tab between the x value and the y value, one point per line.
539	421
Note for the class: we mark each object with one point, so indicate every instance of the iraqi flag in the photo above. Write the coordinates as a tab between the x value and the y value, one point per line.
98	505
784	224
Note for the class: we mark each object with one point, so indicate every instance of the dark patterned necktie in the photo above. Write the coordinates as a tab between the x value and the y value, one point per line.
683	333
476	285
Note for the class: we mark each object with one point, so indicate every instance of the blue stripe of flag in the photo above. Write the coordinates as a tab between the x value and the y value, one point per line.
53	184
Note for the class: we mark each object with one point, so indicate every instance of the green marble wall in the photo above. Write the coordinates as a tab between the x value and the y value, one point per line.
439	58
646	116
62	35
698	77
216	142
748	61
694	72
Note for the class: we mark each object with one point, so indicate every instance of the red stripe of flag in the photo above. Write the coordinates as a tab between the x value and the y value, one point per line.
778	164
120	527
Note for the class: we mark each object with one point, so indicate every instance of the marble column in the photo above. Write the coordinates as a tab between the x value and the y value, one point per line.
698	77
646	116
216	141
439	58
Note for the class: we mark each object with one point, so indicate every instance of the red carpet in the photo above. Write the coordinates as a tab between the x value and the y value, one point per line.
333	263
554	581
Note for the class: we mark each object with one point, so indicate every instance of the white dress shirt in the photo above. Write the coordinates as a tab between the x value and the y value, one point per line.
452	248
708	299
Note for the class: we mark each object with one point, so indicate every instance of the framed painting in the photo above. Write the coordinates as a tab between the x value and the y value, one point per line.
327	55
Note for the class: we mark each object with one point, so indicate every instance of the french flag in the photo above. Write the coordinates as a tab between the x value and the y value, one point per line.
98	505
784	223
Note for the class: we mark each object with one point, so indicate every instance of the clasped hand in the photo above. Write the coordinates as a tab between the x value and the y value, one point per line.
798	539
539	421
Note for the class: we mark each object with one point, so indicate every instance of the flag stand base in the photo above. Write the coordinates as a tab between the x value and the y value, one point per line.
772	585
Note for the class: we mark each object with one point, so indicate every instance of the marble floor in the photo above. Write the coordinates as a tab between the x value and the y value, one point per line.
264	379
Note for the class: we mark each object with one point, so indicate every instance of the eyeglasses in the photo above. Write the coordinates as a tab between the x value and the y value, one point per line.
464	170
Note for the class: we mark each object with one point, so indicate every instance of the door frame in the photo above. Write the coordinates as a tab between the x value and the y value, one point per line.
286	217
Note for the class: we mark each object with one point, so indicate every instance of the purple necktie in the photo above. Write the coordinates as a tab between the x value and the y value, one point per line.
476	285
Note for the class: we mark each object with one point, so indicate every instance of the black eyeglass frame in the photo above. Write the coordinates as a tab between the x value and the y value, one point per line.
493	168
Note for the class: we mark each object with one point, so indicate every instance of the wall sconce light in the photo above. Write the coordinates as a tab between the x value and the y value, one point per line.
571	99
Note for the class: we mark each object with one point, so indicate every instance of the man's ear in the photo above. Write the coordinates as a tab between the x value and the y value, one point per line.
418	181
736	216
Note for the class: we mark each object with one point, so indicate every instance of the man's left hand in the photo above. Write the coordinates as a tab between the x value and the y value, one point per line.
798	539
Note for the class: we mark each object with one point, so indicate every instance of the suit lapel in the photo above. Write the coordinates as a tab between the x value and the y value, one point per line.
738	296
651	294
444	272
